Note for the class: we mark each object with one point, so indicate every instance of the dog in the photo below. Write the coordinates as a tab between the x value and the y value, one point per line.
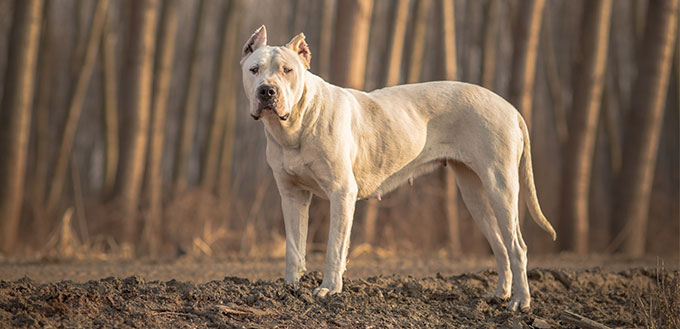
346	145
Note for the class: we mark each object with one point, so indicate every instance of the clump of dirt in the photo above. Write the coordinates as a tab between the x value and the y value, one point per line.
394	301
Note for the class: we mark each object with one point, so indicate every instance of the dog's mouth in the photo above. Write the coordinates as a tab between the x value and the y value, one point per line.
269	108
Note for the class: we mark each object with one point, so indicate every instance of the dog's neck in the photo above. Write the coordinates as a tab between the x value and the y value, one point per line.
288	133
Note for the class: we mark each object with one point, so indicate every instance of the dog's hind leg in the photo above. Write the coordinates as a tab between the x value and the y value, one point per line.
502	186
477	203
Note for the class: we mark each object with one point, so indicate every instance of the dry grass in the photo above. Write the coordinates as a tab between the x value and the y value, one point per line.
64	244
661	304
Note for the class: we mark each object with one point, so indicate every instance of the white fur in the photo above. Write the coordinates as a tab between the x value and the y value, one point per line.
345	145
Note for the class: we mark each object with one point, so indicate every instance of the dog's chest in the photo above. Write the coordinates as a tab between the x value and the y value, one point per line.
294	163
298	166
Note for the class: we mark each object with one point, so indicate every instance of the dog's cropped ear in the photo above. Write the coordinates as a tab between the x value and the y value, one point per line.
299	46
257	40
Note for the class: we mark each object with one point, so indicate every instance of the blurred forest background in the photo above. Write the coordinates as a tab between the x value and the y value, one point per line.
124	129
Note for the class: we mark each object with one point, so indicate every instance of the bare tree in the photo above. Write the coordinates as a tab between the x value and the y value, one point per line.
451	69
188	123
326	39
417	46
554	83
490	43
352	24
111	110
163	73
15	115
76	105
223	106
584	120
41	123
643	125
226	93
396	46
524	56
140	91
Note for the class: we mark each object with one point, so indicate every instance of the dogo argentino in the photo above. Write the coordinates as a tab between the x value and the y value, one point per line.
344	145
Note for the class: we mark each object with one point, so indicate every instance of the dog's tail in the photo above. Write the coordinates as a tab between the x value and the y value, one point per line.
526	173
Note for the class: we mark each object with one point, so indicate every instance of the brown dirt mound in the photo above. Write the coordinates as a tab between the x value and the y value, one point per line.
384	301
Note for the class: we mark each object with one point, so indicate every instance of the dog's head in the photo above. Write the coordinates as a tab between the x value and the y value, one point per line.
273	76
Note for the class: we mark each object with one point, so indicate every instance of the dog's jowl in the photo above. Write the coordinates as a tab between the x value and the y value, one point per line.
345	145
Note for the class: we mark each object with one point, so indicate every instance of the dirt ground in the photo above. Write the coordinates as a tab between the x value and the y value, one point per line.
379	292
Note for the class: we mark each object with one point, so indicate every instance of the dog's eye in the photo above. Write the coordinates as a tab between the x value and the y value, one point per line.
254	69
287	70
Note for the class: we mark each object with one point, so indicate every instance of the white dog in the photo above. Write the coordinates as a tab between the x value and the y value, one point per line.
345	145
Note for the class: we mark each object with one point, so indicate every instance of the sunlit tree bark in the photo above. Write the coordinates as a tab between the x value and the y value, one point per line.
76	105
223	107
417	46
490	43
42	125
163	74
643	125
326	39
529	19
15	115
140	94
111	110
352	25
396	46
584	121
226	94
190	110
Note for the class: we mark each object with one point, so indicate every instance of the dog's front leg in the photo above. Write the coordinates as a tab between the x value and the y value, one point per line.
342	212
295	204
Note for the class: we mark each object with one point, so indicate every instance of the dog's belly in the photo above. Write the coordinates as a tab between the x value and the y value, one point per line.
411	171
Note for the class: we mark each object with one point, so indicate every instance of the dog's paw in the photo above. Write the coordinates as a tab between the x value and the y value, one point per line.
293	277
521	304
500	293
327	290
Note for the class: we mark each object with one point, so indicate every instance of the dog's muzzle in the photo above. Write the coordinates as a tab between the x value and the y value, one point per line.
267	96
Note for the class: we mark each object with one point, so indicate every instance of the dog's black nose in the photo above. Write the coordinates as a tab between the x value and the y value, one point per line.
266	91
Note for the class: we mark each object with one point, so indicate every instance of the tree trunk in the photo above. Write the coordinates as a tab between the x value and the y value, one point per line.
224	92
396	46
451	69
191	98
42	104
42	126
490	43
163	74
140	96
524	56
76	105
326	39
110	92
15	115
298	16
584	121
554	83
348	60
643	126
417	46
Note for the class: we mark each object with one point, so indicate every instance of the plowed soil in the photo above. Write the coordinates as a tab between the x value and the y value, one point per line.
611	296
